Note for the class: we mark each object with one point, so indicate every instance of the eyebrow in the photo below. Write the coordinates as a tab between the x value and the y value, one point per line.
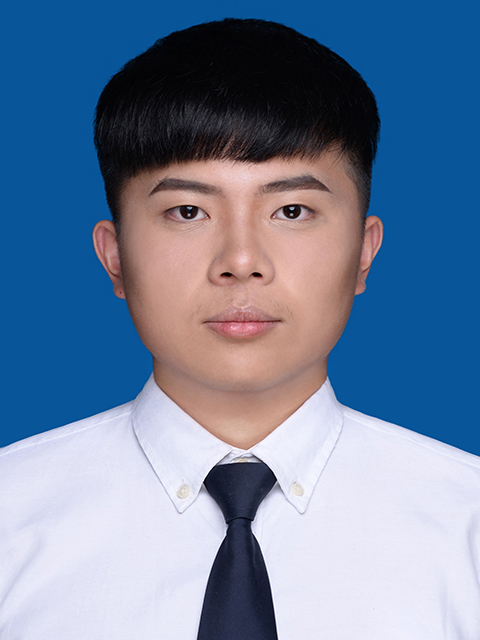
176	184
292	184
278	186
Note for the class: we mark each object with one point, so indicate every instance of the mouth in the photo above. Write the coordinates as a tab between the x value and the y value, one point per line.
235	322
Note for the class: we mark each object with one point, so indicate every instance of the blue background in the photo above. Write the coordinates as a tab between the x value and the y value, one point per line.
410	353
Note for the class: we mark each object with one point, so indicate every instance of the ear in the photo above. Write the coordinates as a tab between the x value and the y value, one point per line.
372	241
105	242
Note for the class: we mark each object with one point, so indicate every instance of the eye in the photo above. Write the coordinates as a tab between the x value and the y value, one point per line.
293	212
186	212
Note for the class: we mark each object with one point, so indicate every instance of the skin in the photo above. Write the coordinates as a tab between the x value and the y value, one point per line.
240	249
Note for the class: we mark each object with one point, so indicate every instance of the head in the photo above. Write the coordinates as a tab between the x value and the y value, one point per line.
237	161
244	90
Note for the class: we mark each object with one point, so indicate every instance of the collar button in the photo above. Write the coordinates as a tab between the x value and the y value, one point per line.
183	491
297	489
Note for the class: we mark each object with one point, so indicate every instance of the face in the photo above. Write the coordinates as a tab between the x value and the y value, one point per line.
240	276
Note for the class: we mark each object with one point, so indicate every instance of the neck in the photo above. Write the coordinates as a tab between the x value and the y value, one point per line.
241	418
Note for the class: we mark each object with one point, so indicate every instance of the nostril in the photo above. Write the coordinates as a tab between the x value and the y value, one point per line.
255	274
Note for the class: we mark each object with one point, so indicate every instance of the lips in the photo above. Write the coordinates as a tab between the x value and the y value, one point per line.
248	314
236	322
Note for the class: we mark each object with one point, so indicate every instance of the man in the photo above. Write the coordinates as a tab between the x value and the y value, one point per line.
237	162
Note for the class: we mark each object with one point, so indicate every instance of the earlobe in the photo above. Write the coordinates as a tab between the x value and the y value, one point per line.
372	241
105	242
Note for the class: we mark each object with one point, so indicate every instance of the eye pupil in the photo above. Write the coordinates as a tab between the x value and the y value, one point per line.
188	212
292	211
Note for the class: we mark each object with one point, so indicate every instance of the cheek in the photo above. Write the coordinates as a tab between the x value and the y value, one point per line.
324	290
149	262
160	285
324	269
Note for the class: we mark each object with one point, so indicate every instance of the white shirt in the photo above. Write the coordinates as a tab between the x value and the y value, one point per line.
107	532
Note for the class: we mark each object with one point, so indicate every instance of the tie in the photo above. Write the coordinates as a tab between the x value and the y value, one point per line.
238	600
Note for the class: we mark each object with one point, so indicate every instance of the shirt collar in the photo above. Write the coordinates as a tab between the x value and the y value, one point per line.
182	452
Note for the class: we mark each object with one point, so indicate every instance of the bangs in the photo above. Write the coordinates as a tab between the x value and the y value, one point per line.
211	129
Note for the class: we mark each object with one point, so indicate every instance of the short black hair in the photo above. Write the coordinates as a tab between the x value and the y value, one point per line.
246	90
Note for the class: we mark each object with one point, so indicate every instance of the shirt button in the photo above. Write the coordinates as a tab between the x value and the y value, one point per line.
297	489
184	491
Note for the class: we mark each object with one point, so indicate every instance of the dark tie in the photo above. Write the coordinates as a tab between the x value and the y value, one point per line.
238	600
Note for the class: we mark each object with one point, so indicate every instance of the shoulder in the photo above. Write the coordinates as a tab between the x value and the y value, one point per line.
411	439
51	475
409	477
55	445
410	460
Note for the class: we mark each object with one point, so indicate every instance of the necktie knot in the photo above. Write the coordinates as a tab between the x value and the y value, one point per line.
238	489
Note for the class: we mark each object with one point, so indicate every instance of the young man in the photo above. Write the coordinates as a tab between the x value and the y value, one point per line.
237	161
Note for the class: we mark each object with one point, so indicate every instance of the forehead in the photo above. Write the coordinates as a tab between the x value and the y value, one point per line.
330	175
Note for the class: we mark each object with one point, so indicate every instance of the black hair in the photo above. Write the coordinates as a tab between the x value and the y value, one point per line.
245	90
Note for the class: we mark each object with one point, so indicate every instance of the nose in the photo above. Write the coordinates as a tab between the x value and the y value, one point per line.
241	257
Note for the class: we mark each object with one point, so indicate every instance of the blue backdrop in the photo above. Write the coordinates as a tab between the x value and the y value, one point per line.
410	352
